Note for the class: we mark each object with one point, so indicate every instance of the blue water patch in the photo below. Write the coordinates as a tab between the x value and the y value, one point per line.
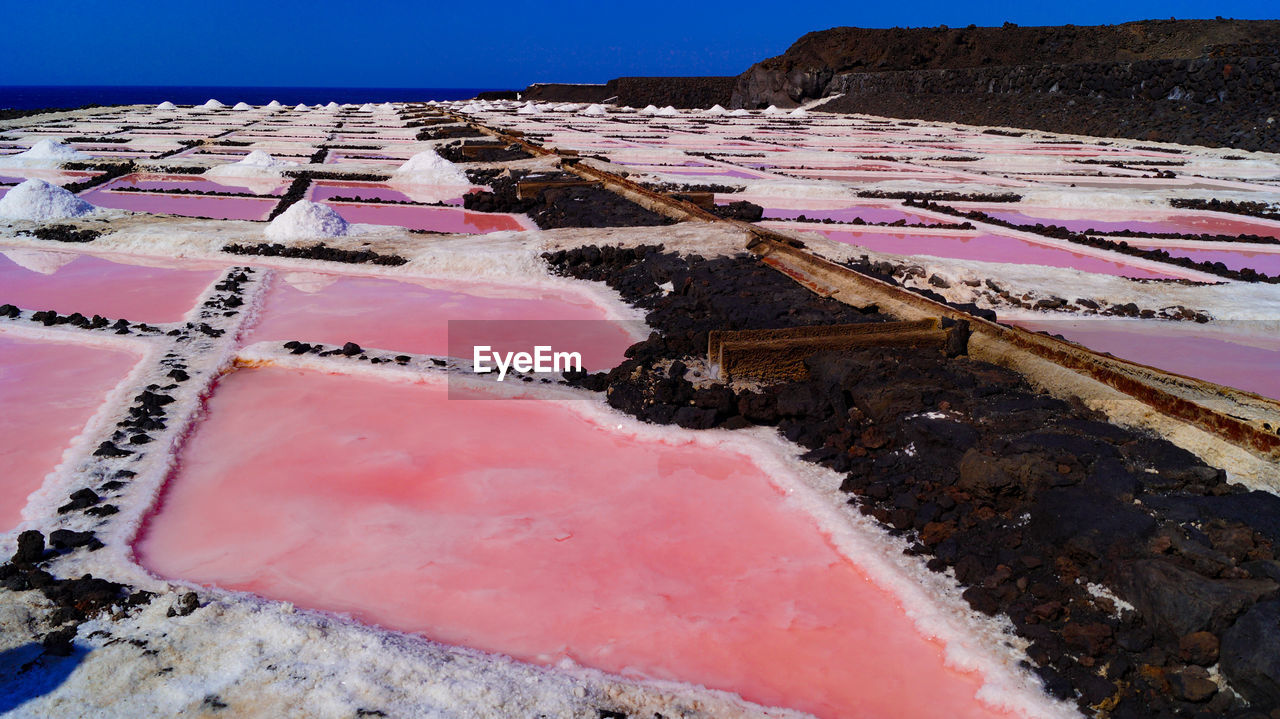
24	97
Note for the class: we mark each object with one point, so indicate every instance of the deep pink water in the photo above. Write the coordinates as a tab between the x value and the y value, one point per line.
1250	363
435	219
162	291
1264	262
984	248
218	208
1109	221
528	529
48	391
413	317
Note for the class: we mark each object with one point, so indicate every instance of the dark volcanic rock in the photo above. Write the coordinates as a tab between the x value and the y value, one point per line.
1179	601
1251	654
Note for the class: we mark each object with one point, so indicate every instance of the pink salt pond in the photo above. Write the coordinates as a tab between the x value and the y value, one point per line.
1229	355
410	317
529	529
1268	263
430	218
48	391
218	208
983	248
1112	221
119	288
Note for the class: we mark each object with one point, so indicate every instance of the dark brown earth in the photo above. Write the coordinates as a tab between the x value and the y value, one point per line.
1043	510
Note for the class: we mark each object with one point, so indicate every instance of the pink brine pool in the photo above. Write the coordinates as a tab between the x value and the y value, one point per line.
1112	221
48	391
411	317
160	291
984	248
1233	354
528	529
433	219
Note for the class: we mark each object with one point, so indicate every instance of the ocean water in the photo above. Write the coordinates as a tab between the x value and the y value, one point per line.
22	97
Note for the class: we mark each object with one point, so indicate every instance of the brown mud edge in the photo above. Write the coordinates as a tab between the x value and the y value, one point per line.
1227	427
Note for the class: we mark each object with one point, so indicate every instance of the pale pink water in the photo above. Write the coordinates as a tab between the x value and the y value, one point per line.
527	529
434	219
1250	363
48	391
846	214
984	248
72	282
411	317
323	190
191	183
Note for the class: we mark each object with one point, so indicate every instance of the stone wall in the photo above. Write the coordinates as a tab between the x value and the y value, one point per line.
681	92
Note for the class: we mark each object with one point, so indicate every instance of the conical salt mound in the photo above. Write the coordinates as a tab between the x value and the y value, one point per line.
332	106
594	110
273	105
716	110
772	110
40	200
212	104
428	168
45	153
242	106
649	110
166	105
306	219
799	112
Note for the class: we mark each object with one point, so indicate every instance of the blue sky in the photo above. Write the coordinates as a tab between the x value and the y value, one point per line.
430	43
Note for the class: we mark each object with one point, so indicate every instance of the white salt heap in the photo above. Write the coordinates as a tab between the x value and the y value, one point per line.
274	104
213	104
255	164
740	113
301	107
668	111
716	110
772	110
40	200
529	109
45	153
242	106
594	110
332	106
166	105
367	107
649	110
428	168
306	219
799	112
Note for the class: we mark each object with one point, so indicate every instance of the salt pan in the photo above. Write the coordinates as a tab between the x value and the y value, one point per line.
45	153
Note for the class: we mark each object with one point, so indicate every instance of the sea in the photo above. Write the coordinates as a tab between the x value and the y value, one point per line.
29	97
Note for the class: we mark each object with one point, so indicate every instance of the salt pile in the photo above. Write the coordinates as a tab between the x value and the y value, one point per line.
301	107
40	200
716	110
256	163
594	110
367	107
213	104
649	110
242	106
428	168
799	112
667	111
166	105
45	153
740	113
772	110
332	106
274	104
529	109
306	219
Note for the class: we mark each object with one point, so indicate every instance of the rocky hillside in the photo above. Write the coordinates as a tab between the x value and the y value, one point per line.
808	67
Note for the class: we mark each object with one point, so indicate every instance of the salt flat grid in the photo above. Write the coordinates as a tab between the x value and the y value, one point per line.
814	163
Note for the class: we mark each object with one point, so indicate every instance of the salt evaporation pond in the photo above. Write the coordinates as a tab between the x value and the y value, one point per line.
48	390
1267	263
430	218
1115	220
120	288
409	316
980	247
218	208
1232	355
530	529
